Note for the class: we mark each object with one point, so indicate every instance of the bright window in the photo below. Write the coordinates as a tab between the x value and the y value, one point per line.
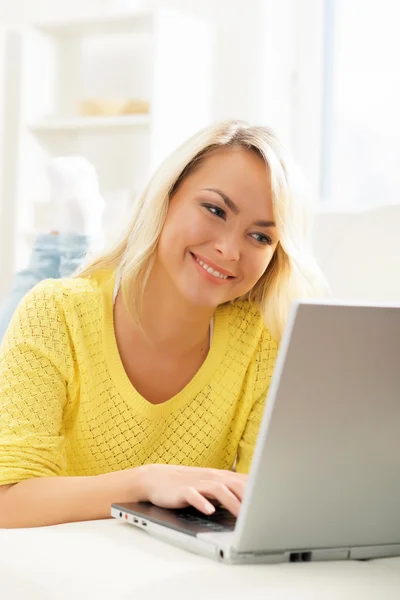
361	124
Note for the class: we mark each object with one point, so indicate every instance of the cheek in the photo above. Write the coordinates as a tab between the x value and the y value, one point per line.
187	229
195	230
258	264
182	230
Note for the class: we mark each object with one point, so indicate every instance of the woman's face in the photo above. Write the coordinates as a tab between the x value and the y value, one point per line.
219	235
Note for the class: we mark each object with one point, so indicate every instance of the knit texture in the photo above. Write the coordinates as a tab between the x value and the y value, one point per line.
67	406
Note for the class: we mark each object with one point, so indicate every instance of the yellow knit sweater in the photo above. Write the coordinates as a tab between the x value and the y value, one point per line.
67	406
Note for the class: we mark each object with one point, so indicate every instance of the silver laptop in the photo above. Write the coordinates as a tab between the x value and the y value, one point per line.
324	482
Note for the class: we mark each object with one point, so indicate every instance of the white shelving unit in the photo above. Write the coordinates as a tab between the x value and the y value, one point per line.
138	22
87	123
161	57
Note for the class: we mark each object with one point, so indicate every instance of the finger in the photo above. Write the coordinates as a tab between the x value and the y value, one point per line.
221	493
195	499
237	487
236	484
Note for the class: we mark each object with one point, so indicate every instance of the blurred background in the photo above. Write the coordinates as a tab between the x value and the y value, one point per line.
122	82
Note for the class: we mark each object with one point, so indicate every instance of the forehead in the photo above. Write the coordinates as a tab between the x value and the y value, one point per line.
241	174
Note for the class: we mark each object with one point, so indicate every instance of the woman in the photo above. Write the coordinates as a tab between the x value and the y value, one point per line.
144	377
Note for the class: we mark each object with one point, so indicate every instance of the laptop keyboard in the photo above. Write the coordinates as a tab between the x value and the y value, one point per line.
220	520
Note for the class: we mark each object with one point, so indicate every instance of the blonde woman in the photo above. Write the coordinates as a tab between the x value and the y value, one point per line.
144	377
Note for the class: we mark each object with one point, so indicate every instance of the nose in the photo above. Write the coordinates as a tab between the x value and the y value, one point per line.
228	247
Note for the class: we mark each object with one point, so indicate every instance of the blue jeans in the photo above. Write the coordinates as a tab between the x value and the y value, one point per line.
53	256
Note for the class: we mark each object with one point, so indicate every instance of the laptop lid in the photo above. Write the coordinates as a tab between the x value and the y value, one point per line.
325	472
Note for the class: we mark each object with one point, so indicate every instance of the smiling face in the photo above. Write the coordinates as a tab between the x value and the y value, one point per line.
219	234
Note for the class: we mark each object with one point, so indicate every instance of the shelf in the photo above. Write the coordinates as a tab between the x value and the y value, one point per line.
89	123
138	22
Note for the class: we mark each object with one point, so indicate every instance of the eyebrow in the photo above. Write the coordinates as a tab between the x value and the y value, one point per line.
234	208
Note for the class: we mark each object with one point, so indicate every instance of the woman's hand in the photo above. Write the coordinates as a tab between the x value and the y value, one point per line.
171	486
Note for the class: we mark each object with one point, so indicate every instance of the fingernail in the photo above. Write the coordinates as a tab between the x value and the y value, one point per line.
209	508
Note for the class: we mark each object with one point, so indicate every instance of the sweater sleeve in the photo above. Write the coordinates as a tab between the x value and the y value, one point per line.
35	368
264	365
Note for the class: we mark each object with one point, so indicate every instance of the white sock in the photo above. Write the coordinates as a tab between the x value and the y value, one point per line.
74	191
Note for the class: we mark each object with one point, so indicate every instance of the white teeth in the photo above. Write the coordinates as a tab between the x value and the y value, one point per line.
211	270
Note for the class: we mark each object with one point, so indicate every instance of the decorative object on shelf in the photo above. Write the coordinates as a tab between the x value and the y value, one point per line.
80	124
95	107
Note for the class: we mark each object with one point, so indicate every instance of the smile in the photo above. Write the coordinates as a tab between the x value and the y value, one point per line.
209	269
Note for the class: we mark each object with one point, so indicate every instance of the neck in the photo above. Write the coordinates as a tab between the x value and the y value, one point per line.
171	323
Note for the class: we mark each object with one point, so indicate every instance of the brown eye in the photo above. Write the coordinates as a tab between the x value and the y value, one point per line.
262	238
215	210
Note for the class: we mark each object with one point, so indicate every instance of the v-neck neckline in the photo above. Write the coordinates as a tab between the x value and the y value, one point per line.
124	385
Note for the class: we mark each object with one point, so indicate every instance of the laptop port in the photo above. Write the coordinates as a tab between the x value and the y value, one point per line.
300	557
144	524
136	520
306	556
120	515
295	557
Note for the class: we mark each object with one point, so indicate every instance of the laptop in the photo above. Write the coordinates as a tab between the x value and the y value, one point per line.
324	482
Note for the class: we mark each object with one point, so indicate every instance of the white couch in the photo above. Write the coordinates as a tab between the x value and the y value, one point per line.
360	256
106	560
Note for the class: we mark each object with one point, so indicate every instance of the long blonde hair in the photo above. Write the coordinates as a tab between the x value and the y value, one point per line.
292	272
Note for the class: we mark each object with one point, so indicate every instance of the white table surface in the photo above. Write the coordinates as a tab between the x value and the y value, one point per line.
108	559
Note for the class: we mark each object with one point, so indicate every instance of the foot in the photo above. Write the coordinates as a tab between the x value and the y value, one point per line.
74	191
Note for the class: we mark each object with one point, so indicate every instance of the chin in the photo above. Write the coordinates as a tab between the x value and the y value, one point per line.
202	302
200	299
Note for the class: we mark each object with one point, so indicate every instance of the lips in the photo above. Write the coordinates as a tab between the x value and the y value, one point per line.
206	262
